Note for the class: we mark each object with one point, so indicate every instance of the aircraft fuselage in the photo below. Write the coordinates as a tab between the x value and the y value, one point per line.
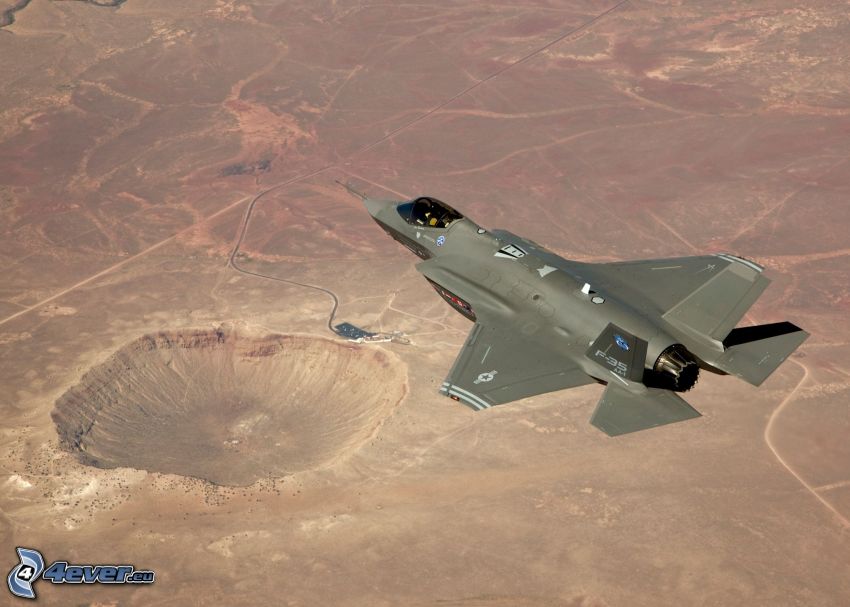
645	328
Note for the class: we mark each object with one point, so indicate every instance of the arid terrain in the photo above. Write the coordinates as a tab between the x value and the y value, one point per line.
174	247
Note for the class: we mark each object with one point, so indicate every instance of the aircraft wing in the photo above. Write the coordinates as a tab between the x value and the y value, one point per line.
622	412
498	365
704	295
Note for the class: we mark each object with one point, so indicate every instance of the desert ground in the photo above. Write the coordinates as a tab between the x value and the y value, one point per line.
174	246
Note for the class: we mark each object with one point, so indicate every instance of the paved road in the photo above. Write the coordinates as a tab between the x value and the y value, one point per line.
247	218
243	229
244	226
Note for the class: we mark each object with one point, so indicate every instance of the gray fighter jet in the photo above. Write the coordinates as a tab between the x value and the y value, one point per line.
543	323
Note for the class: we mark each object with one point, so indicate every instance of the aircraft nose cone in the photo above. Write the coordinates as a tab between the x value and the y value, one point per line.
375	206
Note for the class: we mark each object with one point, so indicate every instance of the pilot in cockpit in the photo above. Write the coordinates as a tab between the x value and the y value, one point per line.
431	219
426	214
432	213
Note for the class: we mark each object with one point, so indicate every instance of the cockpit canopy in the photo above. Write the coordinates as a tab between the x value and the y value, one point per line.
428	212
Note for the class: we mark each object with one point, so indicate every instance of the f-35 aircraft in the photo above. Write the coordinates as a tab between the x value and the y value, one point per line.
543	323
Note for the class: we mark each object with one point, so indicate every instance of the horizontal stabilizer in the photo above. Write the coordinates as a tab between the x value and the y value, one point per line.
717	306
753	353
621	412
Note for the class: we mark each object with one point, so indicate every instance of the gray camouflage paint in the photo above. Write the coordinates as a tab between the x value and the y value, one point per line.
544	323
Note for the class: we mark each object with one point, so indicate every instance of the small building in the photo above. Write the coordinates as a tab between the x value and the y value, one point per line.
352	333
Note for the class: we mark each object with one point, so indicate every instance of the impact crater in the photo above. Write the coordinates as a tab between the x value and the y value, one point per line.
227	406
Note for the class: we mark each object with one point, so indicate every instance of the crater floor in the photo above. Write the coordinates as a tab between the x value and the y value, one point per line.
226	407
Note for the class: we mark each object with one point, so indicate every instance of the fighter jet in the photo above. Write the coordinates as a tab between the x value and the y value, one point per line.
645	329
